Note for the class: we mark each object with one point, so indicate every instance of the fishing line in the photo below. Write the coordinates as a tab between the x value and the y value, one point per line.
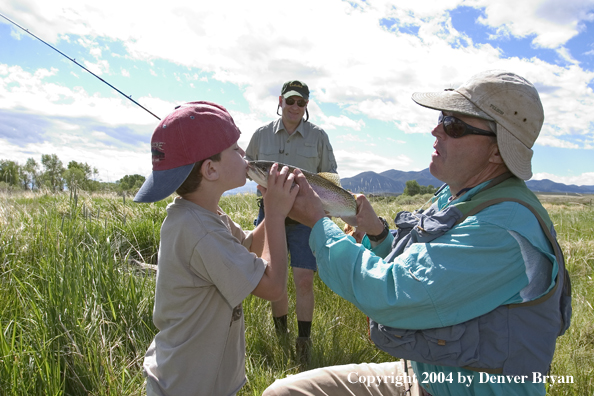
74	60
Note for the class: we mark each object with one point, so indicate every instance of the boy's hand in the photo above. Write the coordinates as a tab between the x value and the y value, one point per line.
280	192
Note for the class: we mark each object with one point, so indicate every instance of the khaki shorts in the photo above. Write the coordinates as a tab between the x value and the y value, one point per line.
351	379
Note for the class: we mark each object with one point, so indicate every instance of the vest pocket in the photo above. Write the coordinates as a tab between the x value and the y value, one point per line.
448	346
396	338
444	343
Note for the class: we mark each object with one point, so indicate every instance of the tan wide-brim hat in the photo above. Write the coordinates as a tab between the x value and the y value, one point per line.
506	98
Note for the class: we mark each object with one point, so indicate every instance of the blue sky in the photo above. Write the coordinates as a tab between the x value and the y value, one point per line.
361	59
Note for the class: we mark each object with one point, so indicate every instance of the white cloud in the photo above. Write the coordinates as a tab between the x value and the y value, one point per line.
370	70
351	138
98	67
551	22
20	89
553	141
396	141
345	55
585	179
332	122
96	52
98	134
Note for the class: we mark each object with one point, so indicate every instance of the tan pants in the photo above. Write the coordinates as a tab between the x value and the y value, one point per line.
149	389
351	379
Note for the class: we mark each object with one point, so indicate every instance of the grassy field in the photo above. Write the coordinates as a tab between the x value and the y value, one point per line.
76	316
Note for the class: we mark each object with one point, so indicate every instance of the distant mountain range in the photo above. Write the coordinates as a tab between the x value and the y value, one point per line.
388	182
393	182
550	186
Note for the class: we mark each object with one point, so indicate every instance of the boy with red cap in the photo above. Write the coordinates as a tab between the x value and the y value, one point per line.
207	264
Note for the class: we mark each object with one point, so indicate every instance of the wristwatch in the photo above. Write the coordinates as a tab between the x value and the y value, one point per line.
383	234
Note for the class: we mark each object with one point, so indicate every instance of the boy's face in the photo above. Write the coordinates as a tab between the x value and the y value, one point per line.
233	167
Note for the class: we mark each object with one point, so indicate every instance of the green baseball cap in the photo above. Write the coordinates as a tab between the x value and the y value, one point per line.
295	88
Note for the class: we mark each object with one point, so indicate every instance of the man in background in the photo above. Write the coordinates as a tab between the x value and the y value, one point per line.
295	141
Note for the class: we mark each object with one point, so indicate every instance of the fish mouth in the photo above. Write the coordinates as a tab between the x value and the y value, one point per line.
250	170
255	173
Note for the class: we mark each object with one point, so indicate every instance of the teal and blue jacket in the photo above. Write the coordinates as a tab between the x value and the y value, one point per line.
452	273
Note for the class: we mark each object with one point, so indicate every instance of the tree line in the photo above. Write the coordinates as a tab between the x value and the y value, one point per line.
414	188
51	174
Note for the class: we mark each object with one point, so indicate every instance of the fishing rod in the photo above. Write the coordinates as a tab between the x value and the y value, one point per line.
129	97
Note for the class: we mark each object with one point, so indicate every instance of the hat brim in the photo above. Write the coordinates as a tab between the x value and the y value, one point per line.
516	156
449	101
293	93
161	184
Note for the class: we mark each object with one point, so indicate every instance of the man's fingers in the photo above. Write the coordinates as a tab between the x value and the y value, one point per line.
300	178
361	200
262	189
290	182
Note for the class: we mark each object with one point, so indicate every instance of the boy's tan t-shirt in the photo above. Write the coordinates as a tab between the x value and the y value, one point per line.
204	273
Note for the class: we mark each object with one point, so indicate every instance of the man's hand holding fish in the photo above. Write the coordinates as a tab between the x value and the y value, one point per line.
307	208
367	220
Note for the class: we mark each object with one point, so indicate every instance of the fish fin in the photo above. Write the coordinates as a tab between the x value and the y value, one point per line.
331	177
351	220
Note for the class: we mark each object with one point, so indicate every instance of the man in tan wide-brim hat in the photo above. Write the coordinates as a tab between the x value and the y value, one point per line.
471	292
505	98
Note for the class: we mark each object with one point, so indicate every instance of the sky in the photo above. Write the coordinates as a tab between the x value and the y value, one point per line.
361	59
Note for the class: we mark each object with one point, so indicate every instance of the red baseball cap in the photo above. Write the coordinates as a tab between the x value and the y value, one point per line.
193	132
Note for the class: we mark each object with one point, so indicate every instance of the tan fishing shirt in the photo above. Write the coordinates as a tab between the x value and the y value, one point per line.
307	148
205	272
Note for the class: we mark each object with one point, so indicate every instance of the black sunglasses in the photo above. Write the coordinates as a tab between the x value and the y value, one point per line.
457	128
291	102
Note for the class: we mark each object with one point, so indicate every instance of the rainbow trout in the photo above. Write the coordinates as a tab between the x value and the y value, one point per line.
336	201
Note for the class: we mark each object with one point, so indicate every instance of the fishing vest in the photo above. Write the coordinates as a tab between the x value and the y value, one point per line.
514	339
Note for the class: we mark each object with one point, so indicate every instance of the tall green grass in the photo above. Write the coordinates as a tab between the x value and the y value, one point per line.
76	317
574	356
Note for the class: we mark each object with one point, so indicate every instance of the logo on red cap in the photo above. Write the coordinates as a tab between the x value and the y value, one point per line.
157	151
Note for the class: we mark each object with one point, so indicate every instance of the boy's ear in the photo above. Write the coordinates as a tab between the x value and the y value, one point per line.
209	170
